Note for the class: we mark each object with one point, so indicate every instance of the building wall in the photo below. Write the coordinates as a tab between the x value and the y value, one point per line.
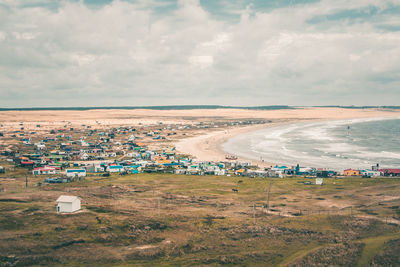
114	169
76	205
351	173
73	174
64	207
69	207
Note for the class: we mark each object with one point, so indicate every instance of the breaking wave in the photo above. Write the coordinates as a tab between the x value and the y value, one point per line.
356	143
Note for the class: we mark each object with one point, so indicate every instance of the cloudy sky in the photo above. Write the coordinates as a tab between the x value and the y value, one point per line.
227	52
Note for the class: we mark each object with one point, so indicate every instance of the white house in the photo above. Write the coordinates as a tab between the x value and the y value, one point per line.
75	172
40	146
370	173
108	154
45	170
115	168
84	143
133	154
68	204
98	168
84	156
219	172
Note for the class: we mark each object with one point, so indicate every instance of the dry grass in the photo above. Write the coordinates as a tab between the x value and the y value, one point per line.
200	221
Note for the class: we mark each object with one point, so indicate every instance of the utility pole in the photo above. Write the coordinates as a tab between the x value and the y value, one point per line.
268	193
158	207
26	180
254	213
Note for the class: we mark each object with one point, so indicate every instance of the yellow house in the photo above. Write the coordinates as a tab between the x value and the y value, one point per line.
240	172
351	172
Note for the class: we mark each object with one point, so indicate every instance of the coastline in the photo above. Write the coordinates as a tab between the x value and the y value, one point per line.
208	146
203	143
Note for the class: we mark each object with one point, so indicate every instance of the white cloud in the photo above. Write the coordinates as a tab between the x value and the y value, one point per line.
2	36
24	35
201	61
125	54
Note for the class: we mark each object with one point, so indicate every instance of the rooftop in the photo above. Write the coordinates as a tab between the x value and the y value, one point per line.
63	198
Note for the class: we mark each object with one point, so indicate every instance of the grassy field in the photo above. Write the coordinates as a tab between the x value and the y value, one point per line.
163	219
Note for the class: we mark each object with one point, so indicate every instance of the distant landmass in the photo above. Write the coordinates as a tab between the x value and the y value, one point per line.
189	107
359	107
174	107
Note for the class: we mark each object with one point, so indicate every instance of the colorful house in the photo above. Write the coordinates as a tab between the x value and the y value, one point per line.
351	172
370	173
390	172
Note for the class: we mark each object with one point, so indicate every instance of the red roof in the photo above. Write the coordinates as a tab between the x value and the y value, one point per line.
27	162
396	171
44	169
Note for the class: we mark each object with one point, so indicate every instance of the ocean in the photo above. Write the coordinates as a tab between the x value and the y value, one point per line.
338	145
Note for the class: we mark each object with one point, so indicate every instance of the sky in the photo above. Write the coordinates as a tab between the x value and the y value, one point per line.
199	52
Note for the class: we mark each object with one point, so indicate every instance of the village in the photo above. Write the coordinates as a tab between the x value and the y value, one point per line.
64	154
89	185
69	154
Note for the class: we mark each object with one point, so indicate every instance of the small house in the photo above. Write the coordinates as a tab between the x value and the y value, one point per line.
351	172
115	168
390	172
75	172
240	172
98	168
219	172
27	163
68	204
370	173
44	170
322	173
40	146
84	156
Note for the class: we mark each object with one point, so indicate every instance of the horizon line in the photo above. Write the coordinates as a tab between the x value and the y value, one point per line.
189	107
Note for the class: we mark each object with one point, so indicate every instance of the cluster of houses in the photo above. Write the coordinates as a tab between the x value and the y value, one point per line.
375	171
153	162
139	159
67	154
73	153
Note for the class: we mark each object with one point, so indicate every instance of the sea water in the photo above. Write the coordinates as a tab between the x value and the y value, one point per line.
357	143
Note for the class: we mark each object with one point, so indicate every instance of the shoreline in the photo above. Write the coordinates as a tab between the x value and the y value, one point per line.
208	146
203	143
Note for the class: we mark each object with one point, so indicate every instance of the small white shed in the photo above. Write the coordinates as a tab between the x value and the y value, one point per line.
68	204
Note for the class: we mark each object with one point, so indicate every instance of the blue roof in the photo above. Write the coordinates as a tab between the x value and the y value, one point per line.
115	167
133	166
76	170
171	164
280	167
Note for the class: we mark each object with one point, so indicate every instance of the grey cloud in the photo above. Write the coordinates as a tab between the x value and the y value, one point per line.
123	53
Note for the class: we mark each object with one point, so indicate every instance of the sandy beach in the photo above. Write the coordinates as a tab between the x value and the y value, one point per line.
208	146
